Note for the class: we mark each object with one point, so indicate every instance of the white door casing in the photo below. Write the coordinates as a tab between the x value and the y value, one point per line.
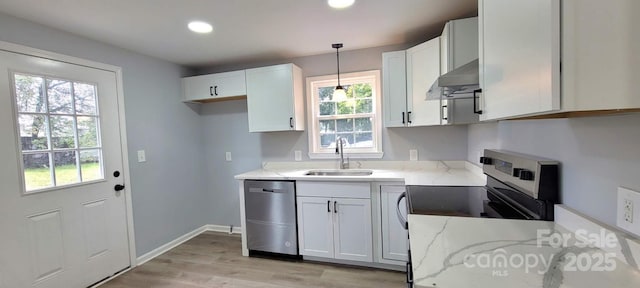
71	236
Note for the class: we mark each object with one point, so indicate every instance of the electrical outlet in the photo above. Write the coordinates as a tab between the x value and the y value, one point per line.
625	216
298	155
413	155
227	156
628	210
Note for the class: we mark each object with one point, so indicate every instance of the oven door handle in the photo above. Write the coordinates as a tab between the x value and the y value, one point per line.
401	219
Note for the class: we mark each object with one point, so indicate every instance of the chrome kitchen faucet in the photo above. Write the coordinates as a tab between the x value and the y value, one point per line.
340	150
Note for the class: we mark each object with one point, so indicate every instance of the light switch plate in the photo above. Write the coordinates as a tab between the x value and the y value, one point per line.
298	155
413	155
142	157
227	156
628	215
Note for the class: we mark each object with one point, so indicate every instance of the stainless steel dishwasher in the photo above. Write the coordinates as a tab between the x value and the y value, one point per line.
270	209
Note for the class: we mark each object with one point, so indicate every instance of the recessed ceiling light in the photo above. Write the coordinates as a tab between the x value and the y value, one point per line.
340	4
200	27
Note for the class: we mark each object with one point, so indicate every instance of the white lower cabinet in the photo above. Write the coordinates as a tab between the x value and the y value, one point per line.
394	236
334	227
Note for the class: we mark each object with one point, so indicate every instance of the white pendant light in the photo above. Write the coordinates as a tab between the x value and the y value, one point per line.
339	94
340	4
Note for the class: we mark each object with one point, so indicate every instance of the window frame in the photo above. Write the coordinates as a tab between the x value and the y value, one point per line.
51	150
312	85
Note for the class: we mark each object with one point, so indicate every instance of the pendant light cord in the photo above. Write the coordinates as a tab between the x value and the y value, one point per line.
338	46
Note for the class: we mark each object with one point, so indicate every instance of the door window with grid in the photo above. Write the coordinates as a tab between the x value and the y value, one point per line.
355	119
59	133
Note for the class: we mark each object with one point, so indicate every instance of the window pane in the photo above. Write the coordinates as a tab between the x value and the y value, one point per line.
37	172
327	140
88	131
364	106
65	167
327	108
345	125
33	132
62	132
345	107
29	94
90	165
85	96
348	137
362	90
363	124
327	126
364	140
348	90
60	98
325	93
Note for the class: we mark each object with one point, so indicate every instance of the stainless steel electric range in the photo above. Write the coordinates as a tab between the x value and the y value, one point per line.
518	186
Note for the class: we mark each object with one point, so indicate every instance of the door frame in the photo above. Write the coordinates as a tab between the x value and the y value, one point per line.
29	51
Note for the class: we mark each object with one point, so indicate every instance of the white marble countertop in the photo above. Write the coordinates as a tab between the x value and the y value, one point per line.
454	252
442	173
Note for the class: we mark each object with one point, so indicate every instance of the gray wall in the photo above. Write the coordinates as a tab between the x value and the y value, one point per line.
168	190
598	154
225	129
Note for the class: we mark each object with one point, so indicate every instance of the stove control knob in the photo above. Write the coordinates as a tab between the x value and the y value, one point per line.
516	172
526	175
486	160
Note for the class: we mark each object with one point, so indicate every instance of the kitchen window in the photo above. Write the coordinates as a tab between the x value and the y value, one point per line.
356	119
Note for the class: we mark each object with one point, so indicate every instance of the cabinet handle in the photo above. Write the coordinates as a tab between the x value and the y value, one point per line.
335	206
291	122
329	206
215	90
402	117
409	117
211	90
442	112
475	101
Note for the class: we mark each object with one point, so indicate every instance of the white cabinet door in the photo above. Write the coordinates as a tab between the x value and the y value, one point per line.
275	98
394	82
519	57
423	69
352	229
315	226
213	86
394	236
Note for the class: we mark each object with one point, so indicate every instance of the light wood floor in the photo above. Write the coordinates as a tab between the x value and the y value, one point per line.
215	260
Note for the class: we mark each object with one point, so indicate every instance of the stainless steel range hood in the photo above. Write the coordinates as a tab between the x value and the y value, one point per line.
458	83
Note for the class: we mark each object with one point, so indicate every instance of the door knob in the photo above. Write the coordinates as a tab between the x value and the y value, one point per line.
118	187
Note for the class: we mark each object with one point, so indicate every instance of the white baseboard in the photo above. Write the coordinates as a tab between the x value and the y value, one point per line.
184	238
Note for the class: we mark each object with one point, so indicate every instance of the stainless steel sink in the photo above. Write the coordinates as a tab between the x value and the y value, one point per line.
345	172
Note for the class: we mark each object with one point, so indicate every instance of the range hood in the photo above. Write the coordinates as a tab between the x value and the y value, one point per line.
458	83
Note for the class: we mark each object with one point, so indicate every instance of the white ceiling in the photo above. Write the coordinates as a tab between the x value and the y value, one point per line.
244	30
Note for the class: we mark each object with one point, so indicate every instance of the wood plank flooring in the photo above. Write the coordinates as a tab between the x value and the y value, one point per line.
215	260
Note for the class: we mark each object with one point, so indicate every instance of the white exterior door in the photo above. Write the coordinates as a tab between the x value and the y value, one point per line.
352	229
62	223
315	226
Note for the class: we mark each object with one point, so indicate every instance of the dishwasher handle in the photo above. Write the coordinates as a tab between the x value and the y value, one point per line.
401	219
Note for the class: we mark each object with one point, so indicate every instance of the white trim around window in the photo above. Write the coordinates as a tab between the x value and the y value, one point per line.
358	119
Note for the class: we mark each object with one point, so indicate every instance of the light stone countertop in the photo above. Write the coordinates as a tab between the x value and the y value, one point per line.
453	252
441	173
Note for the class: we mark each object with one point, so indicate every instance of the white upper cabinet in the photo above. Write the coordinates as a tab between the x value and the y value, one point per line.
394	79
423	68
519	57
214	87
407	76
459	43
600	48
458	46
275	98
